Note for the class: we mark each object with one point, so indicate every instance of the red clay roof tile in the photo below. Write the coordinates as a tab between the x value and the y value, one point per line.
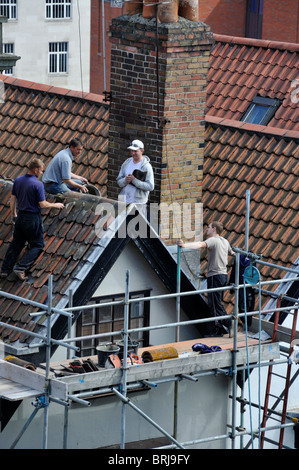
71	243
263	163
40	120
241	68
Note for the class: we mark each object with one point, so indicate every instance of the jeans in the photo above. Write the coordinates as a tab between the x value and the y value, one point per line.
215	299
28	228
56	188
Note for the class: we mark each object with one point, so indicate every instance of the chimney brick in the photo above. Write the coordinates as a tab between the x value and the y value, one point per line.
172	60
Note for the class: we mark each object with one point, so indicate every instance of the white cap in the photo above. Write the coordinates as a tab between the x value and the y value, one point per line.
136	144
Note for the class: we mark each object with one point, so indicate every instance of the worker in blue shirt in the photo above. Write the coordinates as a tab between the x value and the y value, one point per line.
27	200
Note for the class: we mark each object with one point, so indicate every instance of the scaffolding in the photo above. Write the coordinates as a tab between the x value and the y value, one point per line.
120	390
51	390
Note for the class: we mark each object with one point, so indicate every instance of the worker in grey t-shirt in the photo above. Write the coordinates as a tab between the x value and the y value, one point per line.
218	251
58	177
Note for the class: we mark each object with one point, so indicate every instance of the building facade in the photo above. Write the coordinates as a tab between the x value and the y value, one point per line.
66	43
52	37
260	19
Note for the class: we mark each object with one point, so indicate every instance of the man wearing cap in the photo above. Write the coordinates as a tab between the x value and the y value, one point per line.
135	190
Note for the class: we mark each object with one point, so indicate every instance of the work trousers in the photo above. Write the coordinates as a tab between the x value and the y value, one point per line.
215	299
28	229
60	188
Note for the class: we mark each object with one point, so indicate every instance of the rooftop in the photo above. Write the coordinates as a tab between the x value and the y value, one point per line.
39	120
242	68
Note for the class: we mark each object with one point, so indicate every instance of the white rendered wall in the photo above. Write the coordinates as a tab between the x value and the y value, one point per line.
31	34
143	277
202	412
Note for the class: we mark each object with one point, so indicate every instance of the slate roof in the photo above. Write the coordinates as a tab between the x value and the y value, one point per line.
242	68
39	120
81	245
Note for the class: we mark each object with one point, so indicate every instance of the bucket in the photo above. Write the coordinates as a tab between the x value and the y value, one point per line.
104	351
132	347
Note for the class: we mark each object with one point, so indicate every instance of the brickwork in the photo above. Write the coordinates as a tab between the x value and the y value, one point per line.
283	25
225	16
100	58
280	23
174	136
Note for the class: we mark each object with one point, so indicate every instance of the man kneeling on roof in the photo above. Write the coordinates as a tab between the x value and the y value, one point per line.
58	177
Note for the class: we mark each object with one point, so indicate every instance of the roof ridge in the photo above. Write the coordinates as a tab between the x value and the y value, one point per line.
44	88
266	43
249	127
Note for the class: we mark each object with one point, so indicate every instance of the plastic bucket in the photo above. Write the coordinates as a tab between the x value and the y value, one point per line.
104	351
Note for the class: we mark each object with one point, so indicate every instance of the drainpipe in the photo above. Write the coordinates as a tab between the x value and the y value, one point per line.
104	44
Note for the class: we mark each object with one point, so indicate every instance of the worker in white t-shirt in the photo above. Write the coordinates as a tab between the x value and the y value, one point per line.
134	189
218	251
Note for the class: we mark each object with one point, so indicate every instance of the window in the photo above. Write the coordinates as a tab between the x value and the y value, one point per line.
8	8
8	48
261	110
58	9
58	57
111	318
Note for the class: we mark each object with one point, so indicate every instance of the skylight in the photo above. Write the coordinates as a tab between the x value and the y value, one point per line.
261	110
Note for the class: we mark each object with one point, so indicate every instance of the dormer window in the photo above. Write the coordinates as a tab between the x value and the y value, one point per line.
261	110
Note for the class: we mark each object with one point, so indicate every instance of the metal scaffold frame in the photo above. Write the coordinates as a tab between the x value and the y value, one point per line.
44	399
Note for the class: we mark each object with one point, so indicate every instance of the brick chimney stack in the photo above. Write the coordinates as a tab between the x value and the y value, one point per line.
158	95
